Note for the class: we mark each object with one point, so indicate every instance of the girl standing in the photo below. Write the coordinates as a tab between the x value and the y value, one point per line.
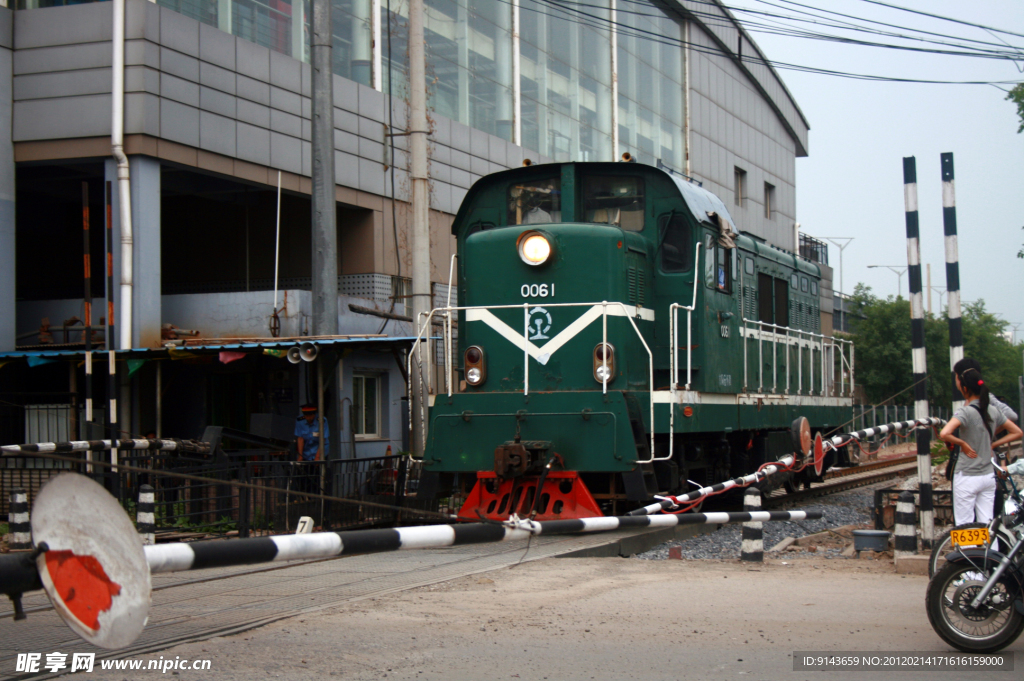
974	483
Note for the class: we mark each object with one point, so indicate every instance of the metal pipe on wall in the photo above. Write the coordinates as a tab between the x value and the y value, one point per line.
123	176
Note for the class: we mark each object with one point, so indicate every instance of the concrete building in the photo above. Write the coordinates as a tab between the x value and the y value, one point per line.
217	108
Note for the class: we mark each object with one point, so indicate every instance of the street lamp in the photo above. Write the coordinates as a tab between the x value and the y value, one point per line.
842	247
898	271
1014	327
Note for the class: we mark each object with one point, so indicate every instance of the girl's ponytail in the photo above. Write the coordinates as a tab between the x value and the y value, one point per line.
972	381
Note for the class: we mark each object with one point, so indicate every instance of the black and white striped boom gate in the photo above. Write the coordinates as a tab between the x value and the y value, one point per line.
187	446
884	429
920	365
86	548
210	554
670	502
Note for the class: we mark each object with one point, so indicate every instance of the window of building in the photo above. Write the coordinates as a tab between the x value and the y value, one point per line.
676	249
739	185
615	201
366	406
769	199
536	202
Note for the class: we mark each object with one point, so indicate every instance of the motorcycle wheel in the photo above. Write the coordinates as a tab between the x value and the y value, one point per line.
943	546
993	626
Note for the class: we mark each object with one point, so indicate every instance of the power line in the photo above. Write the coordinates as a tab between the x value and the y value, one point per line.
572	9
944	18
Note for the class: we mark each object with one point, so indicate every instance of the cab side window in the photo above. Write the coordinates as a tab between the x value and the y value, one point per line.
676	248
718	266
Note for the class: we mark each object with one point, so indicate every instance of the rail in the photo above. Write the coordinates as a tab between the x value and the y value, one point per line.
826	346
445	315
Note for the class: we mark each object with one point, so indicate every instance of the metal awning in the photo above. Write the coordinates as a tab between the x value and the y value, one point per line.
213	347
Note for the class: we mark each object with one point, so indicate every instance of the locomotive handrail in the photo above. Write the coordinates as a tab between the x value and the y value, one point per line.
446	313
821	344
673	311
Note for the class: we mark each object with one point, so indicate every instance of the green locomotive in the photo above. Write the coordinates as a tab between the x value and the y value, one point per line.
619	340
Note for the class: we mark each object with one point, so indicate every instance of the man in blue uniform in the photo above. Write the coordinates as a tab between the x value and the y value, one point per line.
308	436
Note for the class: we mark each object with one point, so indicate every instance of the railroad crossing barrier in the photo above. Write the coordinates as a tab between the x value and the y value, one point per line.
752	547
906	526
18	520
145	514
86	550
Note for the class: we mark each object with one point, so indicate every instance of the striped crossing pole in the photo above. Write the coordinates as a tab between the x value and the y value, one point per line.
920	365
752	547
906	522
669	502
211	554
145	518
188	446
18	521
87	308
956	328
884	429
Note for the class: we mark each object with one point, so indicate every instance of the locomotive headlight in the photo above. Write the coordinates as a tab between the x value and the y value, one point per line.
476	366
604	363
534	248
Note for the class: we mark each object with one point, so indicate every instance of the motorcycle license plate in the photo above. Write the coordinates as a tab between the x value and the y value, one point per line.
977	536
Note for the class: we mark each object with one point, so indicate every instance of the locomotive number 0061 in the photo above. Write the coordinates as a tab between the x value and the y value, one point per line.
537	290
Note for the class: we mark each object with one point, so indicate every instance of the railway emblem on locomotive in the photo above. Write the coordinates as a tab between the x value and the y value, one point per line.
540	323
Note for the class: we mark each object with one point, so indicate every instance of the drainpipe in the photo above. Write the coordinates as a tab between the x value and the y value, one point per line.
123	184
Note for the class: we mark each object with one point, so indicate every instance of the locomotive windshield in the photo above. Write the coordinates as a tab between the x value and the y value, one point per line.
535	202
615	201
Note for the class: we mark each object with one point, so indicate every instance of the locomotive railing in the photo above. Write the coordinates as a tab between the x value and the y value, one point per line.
445	315
829	349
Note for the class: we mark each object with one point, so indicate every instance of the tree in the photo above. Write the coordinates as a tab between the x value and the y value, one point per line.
1016	95
881	336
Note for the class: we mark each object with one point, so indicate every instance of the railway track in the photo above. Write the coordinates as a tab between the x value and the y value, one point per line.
847	478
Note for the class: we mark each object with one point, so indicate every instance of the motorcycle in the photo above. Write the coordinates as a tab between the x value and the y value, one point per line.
1000	537
975	601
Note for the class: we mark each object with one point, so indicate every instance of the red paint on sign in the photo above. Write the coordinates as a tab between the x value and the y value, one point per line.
83	585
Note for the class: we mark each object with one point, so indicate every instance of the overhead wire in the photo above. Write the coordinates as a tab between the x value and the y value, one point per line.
571	10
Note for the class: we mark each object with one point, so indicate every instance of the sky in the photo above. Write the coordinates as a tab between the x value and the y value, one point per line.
851	184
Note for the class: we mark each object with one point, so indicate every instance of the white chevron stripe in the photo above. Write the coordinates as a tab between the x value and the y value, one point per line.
543	353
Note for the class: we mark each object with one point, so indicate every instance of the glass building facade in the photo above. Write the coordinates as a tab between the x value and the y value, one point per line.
564	103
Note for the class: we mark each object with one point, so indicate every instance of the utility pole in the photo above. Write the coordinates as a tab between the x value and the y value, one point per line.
325	223
919	360
420	237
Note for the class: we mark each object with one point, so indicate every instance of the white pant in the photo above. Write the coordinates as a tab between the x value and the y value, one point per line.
973	498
